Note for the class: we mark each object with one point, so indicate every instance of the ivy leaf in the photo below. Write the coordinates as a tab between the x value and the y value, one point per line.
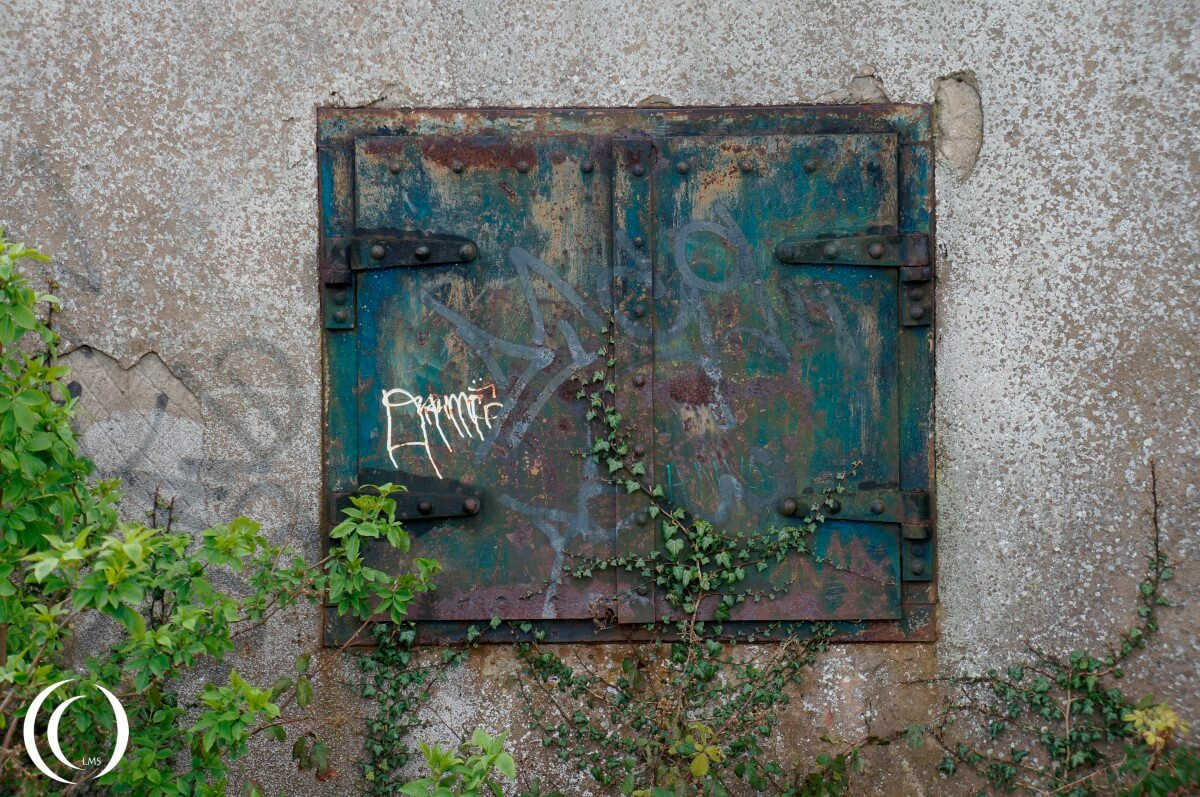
304	692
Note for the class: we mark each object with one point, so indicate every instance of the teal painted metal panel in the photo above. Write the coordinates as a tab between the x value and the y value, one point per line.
767	271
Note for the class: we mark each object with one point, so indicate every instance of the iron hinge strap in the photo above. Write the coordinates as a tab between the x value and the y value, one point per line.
908	252
415	506
911	249
381	249
910	508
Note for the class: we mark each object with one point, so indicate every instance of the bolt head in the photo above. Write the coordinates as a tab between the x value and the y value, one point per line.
456	167
639	381
787	507
639	450
877	507
830	251
639	312
587	167
339	297
467	251
378	251
643	518
746	166
341	316
638	170
424	507
395	167
470	505
917	568
522	166
810	166
639	241
875	250
683	167
916	294
421	252
916	311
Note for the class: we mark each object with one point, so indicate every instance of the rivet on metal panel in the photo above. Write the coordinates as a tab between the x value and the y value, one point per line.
916	294
639	241
639	312
877	507
683	167
467	251
639	381
788	507
746	166
830	251
639	450
378	251
916	311
395	167
811	166
522	166
470	505
918	550
587	167
339	297
456	167
341	316
917	568
643	518
421	252
643	590
834	506
875	250
424	507
638	170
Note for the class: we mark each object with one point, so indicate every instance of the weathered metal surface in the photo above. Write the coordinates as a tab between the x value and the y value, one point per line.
762	267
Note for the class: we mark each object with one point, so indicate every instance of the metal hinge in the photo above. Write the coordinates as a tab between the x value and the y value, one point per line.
909	252
380	249
415	506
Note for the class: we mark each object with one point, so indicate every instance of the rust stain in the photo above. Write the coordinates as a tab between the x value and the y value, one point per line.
694	388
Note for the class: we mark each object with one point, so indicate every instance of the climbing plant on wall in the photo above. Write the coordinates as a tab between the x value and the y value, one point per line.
692	711
68	560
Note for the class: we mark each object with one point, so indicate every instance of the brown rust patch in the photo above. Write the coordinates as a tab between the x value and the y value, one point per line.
478	152
694	388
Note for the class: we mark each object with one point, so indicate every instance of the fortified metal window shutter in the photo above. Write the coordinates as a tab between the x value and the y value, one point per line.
769	273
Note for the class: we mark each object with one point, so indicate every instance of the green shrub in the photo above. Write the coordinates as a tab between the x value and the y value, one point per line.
66	556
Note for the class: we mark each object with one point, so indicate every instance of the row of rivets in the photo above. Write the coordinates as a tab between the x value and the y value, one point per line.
874	251
469	506
788	507
522	166
588	166
422	252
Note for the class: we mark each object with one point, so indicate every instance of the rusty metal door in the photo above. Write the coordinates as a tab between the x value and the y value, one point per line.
482	289
768	377
768	273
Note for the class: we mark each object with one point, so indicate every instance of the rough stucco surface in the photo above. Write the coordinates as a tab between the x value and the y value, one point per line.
162	153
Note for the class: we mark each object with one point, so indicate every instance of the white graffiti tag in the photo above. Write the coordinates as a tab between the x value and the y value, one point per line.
467	413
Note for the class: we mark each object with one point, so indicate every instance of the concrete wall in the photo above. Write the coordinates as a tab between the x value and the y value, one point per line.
162	153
